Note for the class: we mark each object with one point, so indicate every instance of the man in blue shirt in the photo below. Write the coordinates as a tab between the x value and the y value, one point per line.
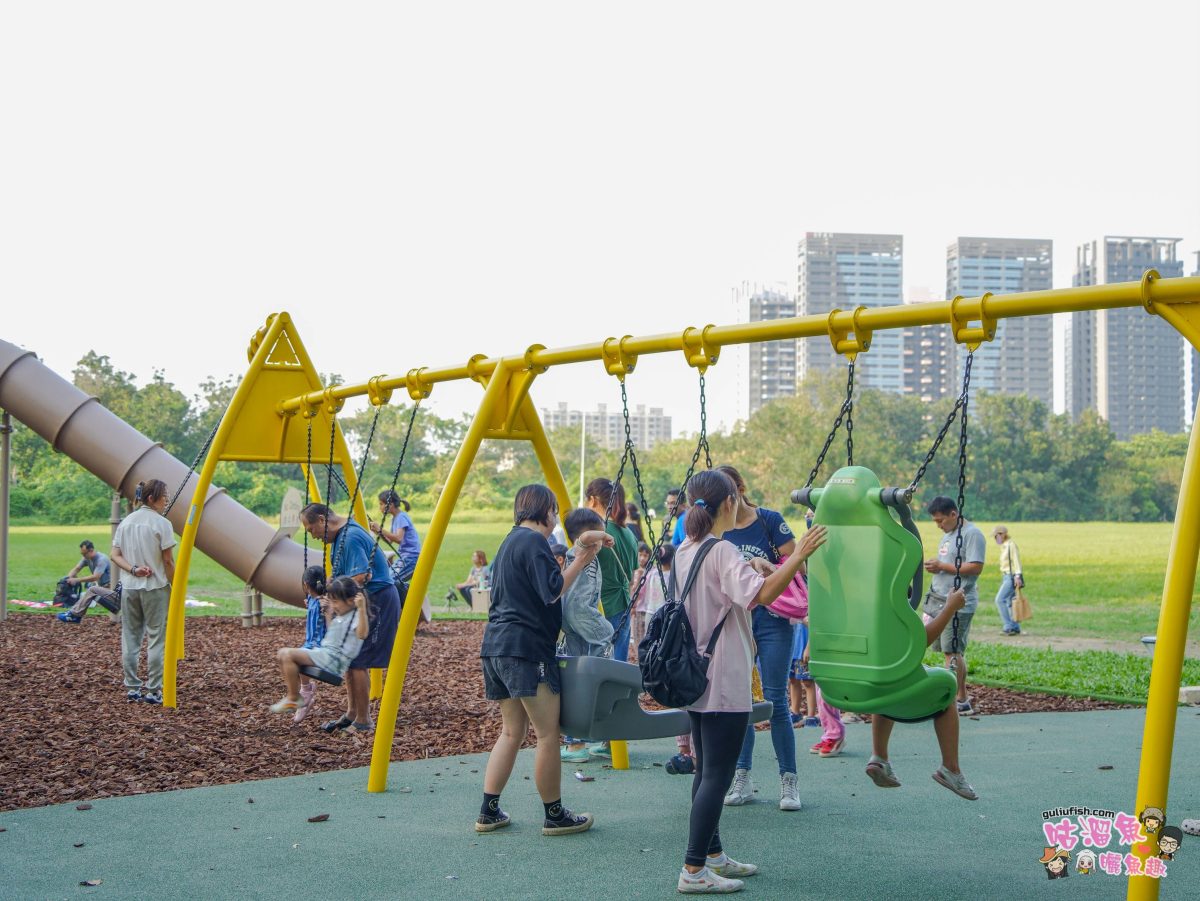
98	565
354	553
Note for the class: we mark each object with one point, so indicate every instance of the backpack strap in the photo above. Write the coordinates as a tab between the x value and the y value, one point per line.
687	587
762	522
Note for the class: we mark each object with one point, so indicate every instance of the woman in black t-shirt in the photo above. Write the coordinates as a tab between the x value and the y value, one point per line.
519	666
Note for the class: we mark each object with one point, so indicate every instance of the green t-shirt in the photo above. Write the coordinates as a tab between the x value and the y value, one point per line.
616	569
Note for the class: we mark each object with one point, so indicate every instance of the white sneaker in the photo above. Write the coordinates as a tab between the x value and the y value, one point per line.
741	791
789	792
729	868
956	782
706	882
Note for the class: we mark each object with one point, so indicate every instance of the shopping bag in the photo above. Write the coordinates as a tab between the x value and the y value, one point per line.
1021	610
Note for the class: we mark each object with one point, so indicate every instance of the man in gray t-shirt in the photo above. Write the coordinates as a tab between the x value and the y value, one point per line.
953	640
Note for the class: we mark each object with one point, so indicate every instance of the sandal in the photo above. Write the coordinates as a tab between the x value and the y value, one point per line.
334	725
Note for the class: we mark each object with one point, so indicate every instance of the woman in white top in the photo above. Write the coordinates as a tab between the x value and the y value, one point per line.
726	589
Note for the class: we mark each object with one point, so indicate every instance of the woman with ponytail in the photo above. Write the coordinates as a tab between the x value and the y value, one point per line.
725	590
141	549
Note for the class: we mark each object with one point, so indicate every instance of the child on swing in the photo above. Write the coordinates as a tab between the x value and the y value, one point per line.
945	724
585	631
313	583
346	629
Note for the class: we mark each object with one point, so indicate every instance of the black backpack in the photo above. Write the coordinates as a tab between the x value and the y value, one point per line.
65	594
673	671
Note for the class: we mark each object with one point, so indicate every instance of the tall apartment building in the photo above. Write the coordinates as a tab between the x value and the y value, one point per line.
845	271
1126	363
770	367
929	357
608	429
1020	360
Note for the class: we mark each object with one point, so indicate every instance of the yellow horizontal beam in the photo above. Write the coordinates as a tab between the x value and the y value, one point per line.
1159	291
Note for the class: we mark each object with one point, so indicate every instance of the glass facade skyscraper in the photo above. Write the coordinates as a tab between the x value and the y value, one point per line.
1020	360
845	271
1127	364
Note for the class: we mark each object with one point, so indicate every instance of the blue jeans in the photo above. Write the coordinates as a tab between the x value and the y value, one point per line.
773	635
620	637
1004	599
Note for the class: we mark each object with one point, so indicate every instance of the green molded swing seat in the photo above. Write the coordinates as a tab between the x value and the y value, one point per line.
600	703
866	641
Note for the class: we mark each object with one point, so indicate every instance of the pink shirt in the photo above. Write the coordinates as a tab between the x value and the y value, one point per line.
725	584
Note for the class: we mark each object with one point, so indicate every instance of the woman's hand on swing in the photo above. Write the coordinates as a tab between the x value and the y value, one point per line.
809	542
373	526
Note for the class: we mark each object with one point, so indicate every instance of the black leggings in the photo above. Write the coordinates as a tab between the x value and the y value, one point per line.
716	741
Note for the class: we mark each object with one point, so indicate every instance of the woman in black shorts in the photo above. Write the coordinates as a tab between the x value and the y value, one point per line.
519	666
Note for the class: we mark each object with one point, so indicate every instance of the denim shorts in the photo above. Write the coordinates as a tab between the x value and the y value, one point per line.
516	677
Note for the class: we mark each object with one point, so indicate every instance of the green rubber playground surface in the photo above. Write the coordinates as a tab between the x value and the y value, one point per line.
851	840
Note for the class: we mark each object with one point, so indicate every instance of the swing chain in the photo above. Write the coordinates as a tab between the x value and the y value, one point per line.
962	474
195	462
669	518
362	466
307	488
399	465
959	404
847	409
631	456
328	490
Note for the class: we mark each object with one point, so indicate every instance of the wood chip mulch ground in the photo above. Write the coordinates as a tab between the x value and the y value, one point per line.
69	733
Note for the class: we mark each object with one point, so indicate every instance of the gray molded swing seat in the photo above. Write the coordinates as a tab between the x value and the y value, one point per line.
600	703
321	675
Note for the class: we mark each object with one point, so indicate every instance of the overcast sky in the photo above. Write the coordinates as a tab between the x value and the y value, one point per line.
417	183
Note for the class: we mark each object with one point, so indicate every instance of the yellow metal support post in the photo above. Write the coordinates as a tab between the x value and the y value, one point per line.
173	651
1158	734
389	706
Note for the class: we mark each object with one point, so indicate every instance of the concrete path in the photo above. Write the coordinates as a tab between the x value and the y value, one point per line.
852	840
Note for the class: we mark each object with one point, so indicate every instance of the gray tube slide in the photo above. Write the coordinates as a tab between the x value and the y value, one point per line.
121	456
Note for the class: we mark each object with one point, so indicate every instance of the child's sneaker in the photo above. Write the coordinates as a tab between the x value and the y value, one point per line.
812	721
956	782
797	720
308	694
729	868
848	718
681	765
133	694
965	708
490	823
741	791
574	755
881	773
601	750
706	882
833	748
67	617
567	823
152	697
819	746
284	705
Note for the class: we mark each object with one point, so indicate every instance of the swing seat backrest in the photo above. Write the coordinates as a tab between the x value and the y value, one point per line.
866	641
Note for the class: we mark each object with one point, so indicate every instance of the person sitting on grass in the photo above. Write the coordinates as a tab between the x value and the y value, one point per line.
586	631
97	582
476	578
945	724
313	583
346	630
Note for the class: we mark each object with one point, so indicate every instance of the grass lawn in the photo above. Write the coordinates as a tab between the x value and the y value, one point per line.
1088	581
40	555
